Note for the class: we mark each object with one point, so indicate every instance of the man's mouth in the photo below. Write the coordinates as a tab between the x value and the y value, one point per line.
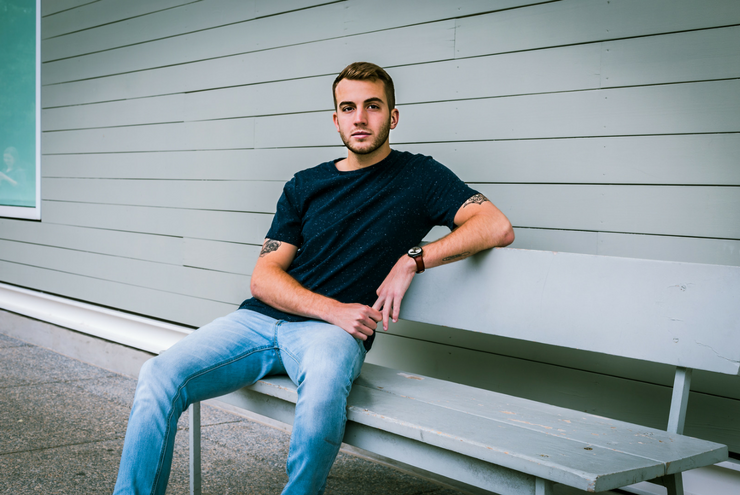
360	134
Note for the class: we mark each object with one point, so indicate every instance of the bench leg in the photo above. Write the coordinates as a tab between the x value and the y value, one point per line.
543	487
194	420
674	484
676	421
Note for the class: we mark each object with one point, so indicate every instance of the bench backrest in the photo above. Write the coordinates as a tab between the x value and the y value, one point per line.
682	314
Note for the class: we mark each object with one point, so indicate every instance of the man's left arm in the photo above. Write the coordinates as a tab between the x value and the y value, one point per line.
479	225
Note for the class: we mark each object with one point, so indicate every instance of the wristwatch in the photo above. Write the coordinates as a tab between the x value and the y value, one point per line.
418	255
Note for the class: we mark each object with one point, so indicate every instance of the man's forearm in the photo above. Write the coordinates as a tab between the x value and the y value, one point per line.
477	233
273	286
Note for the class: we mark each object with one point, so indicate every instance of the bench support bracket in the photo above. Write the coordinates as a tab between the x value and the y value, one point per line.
194	420
677	420
543	487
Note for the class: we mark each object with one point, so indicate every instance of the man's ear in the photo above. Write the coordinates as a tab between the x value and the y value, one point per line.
336	121
394	118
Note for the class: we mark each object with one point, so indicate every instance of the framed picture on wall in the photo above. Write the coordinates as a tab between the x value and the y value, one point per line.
20	109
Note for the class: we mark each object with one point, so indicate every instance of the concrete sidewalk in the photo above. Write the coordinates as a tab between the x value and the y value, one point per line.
62	423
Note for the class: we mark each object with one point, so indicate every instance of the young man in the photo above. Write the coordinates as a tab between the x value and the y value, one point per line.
340	254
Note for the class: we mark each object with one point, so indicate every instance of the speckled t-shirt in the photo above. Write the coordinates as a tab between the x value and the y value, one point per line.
351	227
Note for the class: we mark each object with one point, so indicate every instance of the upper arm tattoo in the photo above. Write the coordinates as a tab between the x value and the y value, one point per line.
477	199
269	246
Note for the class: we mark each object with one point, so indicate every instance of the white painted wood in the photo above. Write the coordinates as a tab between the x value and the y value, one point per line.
680	400
306	26
692	56
217	225
684	159
580	21
663	305
689	249
653	247
513	374
50	7
156	304
262	164
422	43
156	248
704	211
160	110
617	160
391	409
711	417
205	284
214	134
186	18
221	256
199	41
116	326
101	12
245	196
669	109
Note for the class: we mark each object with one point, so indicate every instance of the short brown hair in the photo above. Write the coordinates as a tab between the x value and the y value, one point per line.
366	71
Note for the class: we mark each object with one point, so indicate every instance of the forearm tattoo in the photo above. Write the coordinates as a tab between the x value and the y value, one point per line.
456	257
477	199
269	247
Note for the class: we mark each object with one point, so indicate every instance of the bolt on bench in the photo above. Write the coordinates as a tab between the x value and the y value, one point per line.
682	314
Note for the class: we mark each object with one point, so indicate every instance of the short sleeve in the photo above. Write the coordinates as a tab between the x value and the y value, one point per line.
286	224
445	193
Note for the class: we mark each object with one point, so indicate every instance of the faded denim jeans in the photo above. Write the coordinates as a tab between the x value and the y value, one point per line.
231	352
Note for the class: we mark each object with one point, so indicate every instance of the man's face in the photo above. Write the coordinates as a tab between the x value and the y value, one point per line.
362	117
8	159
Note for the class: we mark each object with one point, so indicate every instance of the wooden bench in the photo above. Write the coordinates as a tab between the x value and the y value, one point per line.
682	314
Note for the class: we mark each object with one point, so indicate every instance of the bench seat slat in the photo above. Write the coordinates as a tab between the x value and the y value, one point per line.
450	416
678	453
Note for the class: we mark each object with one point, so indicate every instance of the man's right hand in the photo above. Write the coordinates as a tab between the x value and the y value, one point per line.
357	320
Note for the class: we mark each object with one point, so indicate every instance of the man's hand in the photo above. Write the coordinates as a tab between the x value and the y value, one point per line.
394	287
357	320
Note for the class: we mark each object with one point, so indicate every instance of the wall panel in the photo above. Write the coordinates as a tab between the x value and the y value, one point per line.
186	310
204	284
101	12
423	43
254	164
583	21
155	248
252	196
201	224
698	211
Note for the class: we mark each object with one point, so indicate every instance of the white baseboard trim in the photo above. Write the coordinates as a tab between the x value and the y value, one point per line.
116	326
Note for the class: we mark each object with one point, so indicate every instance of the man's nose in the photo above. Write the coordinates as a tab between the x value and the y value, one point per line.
360	116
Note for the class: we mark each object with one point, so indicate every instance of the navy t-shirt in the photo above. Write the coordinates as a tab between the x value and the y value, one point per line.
350	228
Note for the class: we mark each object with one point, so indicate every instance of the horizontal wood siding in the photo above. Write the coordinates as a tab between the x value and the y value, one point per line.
598	126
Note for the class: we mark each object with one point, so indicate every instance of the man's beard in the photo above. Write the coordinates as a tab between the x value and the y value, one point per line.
380	139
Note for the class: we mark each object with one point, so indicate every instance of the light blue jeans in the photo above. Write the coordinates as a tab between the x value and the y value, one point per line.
237	350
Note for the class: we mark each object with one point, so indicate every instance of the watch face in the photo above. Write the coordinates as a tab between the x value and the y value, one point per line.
415	251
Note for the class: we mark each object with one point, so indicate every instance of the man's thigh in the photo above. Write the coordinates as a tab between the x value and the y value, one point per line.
319	348
225	355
